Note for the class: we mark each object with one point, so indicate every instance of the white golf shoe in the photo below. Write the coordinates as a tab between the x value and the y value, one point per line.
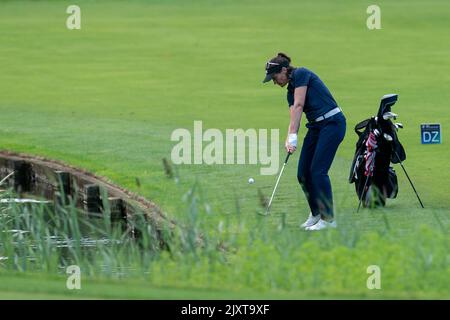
312	220
322	224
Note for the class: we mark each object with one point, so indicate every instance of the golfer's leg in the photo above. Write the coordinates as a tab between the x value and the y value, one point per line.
331	135
304	168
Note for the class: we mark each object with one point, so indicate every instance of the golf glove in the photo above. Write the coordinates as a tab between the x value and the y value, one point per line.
292	139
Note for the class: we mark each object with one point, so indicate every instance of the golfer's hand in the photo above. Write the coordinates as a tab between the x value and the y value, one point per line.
291	143
290	148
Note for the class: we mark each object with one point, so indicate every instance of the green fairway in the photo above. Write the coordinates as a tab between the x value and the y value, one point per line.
107	98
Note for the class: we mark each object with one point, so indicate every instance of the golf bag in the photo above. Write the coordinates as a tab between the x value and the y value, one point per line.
377	147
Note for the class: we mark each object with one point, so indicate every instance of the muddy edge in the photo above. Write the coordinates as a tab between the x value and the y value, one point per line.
150	208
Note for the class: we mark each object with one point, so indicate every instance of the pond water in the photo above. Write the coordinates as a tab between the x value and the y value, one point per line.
34	223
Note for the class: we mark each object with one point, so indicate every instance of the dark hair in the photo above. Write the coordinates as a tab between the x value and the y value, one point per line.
283	59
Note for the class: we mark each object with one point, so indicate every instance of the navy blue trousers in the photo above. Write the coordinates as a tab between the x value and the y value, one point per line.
319	148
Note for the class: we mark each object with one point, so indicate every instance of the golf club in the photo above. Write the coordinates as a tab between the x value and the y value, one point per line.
276	184
387	137
387	101
390	115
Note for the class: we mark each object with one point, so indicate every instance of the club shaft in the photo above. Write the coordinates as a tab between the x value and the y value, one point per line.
276	184
275	189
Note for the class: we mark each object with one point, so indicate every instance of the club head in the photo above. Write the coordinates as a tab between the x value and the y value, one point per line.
376	132
387	137
390	115
399	125
387	101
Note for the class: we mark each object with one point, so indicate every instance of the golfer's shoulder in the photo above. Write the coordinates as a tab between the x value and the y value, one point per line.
302	76
302	70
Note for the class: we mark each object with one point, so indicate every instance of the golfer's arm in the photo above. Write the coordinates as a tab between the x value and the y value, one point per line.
296	109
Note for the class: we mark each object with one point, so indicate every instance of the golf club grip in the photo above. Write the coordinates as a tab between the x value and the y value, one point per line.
287	157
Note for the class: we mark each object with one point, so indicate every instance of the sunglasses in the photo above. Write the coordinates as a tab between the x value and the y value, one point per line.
268	64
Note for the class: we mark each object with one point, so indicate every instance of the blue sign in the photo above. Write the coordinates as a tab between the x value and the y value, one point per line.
430	133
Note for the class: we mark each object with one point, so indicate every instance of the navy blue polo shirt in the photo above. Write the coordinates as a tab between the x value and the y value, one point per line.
318	100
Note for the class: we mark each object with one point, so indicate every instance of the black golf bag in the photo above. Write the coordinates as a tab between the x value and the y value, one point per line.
377	147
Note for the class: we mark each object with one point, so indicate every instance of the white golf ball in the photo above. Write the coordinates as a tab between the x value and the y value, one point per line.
251	180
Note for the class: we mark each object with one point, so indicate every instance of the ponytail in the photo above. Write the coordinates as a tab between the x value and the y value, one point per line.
284	57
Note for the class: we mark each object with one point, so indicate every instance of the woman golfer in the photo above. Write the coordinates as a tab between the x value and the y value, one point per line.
326	130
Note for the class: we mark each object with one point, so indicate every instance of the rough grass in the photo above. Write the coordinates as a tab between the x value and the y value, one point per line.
107	98
240	255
